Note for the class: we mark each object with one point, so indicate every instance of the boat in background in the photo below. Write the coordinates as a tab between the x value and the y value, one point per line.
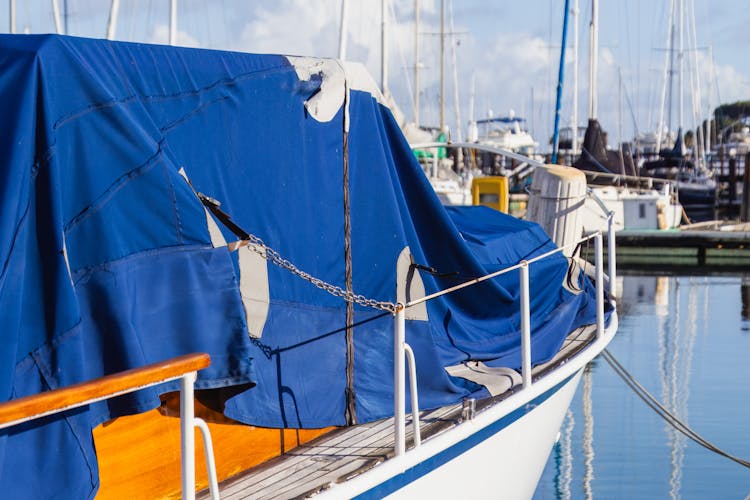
565	141
737	139
162	201
696	186
648	144
507	133
637	201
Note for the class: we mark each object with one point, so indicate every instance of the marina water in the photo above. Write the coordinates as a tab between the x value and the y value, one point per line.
686	339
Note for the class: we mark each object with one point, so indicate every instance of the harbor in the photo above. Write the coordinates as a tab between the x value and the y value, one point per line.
341	249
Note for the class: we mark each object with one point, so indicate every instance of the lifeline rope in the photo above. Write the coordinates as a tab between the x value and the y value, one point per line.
660	410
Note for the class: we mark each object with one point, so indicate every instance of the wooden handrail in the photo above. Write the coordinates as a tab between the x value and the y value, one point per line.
65	398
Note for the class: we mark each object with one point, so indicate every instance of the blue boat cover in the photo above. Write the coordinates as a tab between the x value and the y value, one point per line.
109	260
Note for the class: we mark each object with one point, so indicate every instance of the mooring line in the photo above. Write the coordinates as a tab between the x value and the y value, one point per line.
660	410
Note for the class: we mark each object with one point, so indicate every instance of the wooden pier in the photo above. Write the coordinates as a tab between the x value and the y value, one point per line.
707	245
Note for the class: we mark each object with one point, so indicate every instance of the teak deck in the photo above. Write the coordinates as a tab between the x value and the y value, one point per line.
345	452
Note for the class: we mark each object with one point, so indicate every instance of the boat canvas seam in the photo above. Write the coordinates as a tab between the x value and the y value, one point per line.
114	187
224	82
351	399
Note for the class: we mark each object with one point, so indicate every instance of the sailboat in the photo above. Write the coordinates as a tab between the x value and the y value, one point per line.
696	187
266	211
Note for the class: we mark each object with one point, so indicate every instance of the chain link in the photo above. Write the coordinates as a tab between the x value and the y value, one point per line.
257	245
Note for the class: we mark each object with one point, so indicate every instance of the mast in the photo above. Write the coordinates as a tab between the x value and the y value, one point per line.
574	118
384	46
531	124
457	108
343	29
593	58
56	15
708	96
416	63
442	65
472	132
667	76
680	54
112	24
172	22
619	115
560	74
12	14
697	97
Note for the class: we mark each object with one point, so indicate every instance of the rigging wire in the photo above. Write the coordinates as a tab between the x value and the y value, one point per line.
660	410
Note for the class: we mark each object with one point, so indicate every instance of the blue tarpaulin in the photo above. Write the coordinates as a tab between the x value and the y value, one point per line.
109	260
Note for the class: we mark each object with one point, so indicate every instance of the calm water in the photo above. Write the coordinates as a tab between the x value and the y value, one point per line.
686	339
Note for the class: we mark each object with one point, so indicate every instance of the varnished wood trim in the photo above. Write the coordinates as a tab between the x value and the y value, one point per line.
72	396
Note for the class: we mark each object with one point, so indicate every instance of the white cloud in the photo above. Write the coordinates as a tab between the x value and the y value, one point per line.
160	34
295	27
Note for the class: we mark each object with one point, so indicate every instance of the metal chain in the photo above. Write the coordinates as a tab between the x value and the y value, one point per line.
257	245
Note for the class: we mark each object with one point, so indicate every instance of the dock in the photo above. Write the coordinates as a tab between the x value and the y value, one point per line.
708	245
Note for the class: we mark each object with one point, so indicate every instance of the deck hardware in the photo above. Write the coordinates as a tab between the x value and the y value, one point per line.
469	409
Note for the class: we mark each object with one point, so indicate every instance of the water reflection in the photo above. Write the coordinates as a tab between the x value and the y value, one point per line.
564	458
588	435
679	336
745	293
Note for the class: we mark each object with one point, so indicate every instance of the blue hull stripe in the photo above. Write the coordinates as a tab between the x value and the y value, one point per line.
445	456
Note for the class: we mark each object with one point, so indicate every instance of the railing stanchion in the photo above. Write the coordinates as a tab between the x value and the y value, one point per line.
187	435
525	326
208	451
599	277
413	394
611	255
399	376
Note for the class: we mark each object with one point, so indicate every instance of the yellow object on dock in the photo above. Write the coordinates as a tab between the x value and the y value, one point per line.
491	191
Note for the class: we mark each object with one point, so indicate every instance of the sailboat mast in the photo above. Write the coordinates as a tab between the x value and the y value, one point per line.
56	15
680	58
416	63
456	104
574	118
172	22
667	77
343	29
472	134
384	46
442	65
112	24
560	74
593	58
698	97
708	97
12	14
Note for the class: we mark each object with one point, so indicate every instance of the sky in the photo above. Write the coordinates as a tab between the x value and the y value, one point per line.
503	53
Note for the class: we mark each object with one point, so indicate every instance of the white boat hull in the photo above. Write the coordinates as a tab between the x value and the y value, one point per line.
508	463
636	210
499	453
